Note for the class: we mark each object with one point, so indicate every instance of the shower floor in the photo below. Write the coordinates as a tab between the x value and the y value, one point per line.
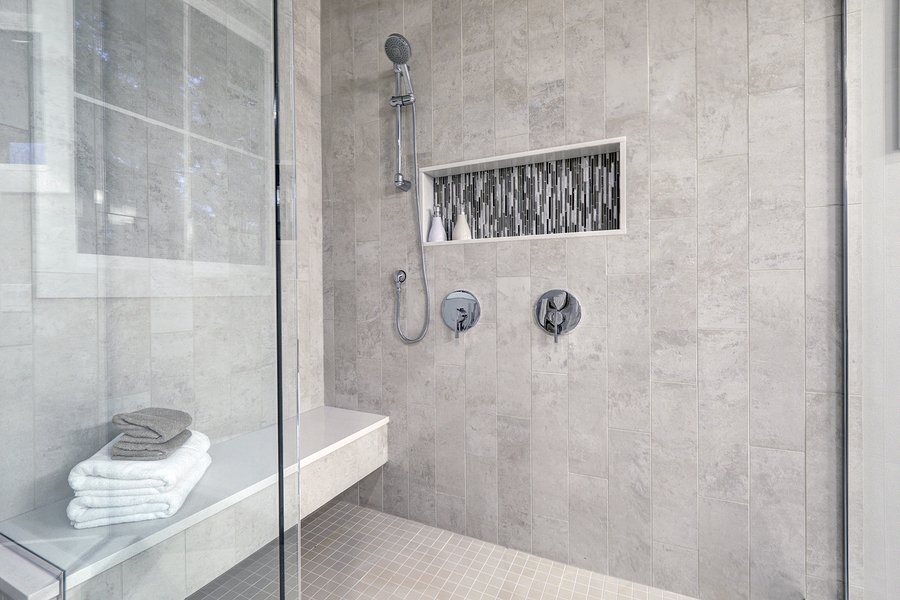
352	553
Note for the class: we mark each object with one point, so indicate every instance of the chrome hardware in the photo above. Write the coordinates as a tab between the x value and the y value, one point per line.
557	312
460	311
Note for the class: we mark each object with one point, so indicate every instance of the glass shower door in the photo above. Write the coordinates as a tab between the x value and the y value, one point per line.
138	271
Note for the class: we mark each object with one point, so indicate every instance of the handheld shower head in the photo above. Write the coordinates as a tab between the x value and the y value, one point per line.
397	49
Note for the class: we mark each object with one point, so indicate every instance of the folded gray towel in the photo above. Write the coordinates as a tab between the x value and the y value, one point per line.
152	424
148	450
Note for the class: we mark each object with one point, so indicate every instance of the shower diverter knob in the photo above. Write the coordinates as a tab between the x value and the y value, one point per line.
557	312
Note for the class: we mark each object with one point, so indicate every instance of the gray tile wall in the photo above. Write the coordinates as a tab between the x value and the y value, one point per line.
679	434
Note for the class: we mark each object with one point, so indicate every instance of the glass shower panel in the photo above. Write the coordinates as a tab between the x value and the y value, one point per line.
873	260
138	270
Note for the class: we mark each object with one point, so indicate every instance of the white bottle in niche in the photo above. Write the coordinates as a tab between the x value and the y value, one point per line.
461	229
437	233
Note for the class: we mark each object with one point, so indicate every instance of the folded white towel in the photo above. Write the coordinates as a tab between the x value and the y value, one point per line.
90	511
100	475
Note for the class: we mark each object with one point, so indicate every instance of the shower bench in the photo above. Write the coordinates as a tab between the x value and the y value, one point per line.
338	447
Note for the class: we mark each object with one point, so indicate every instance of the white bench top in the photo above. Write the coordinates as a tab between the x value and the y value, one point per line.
240	467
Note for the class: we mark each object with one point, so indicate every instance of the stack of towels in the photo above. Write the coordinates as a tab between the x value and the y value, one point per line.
145	473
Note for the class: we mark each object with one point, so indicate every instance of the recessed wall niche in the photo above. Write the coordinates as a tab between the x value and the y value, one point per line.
576	190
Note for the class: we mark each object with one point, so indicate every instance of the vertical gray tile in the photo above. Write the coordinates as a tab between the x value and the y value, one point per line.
546	84
157	572
629	352
126	344
584	71
672	26
626	57
724	550
587	406
588	522
511	67
673	300
371	490
775	32
550	538
777	359
482	497
586	272
778	526
824	305
822	112
724	404
674	455
722	79
776	179
673	146
478	78
722	245
514	346
514	482
422	449
549	444
675	568
824	487
451	513
450	431
447	81
17	419
630	512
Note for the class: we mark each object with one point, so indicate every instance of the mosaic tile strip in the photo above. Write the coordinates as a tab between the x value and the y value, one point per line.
564	196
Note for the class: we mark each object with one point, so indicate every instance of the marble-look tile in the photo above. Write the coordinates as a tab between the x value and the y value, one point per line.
510	67
158	572
823	112
724	398
550	538
126	345
630	511
514	482
586	271
15	240
171	365
481	391
513	259
672	26
105	586
627	59
513	335
775	35
776	179
674	456
450	431
824	487
587	406
722	244
824	305
478	79
546	83
722	79
451	513
256	521
673	300
675	568
549	427
628	340
163	63
584	71
724	550
371	489
209	548
17	419
777	359
588	522
482	497
778	531
673	126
